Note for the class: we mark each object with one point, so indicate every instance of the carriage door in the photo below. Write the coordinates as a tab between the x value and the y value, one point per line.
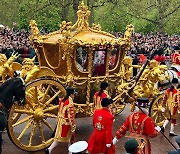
99	62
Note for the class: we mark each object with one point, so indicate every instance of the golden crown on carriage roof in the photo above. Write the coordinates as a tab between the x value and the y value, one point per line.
82	33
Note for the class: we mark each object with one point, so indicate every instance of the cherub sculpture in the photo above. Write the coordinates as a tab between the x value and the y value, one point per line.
96	27
34	29
129	31
29	69
126	68
6	66
149	79
65	28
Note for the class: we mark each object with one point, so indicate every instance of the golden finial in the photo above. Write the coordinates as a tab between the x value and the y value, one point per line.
83	13
82	6
34	29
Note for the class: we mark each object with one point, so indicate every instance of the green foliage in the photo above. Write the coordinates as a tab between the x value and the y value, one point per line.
46	17
173	24
113	15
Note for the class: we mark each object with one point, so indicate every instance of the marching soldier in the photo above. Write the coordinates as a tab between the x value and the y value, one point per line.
101	139
141	127
98	96
65	123
171	104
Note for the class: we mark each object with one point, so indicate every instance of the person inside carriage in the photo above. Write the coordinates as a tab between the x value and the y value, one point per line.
82	59
99	62
113	59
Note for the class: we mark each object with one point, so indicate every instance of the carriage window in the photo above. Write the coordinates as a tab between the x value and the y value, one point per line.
99	63
99	58
113	58
82	59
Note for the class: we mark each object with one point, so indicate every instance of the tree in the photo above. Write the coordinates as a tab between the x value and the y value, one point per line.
113	15
162	9
9	9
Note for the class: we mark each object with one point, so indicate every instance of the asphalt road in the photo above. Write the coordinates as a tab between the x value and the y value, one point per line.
84	129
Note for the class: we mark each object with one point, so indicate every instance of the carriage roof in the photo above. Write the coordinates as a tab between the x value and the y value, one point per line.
83	36
80	33
60	47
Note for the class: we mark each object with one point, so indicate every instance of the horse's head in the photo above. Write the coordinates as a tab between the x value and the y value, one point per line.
20	91
12	90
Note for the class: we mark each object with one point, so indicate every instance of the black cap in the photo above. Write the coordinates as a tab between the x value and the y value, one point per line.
104	85
142	102
70	90
131	145
174	80
106	101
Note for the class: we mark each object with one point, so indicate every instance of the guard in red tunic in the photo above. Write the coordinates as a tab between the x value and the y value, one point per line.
65	120
171	104
175	57
101	139
141	127
98	96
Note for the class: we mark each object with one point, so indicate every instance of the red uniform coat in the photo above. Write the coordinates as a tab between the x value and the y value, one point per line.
98	99
140	126
65	122
112	62
171	101
160	58
102	135
175	57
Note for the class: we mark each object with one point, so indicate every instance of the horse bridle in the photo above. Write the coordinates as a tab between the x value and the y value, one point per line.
21	102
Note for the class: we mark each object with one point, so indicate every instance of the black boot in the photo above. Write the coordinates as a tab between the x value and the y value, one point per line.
46	151
162	129
172	134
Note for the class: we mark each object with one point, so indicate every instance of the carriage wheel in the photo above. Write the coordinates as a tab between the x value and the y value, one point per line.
155	110
30	127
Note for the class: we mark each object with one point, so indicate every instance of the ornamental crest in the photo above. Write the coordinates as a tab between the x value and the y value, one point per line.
99	118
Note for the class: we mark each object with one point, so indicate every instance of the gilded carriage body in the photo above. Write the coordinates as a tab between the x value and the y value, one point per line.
77	55
80	56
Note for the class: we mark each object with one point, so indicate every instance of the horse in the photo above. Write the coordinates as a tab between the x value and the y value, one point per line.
172	73
12	90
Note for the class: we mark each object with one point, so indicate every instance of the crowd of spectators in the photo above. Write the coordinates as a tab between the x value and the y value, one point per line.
18	41
13	40
145	43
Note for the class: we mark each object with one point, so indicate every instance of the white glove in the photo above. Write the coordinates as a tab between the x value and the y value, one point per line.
158	128
114	141
163	109
108	145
